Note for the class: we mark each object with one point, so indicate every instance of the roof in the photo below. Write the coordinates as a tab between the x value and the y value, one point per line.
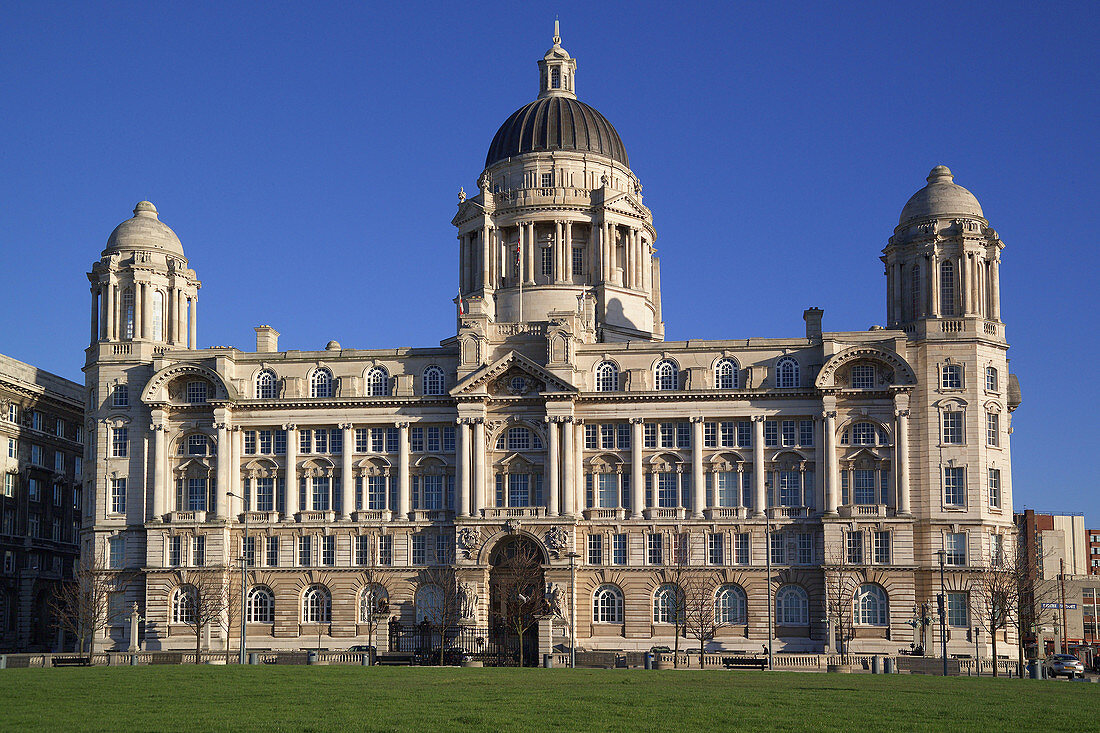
556	122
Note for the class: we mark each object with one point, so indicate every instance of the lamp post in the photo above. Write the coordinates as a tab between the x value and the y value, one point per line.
977	659
244	579
943	610
573	609
768	557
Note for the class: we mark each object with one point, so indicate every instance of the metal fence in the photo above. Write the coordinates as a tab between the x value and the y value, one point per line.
491	647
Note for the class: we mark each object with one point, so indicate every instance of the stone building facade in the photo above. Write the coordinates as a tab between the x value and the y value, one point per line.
557	415
42	436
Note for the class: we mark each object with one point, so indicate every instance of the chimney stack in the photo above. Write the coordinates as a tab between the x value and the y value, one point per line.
813	323
267	339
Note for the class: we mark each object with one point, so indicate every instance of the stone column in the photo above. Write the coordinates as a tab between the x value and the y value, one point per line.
194	322
486	259
185	305
568	251
934	280
637	481
759	495
554	458
628	259
103	334
291	471
94	336
698	485
819	463
901	460
559	259
480	479
832	487
225	453
147	295
403	498
250	503
236	437
569	475
161	489
112	322
347	481
965	283
462	447
995	289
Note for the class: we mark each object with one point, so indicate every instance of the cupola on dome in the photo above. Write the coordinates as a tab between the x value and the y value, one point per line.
145	231
942	197
557	120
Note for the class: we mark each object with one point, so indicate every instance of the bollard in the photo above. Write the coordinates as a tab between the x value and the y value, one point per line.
312	656
133	660
365	659
1033	670
649	660
889	665
253	658
548	661
876	664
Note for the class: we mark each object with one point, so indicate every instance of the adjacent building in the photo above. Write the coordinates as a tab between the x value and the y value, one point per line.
1093	550
42	437
556	417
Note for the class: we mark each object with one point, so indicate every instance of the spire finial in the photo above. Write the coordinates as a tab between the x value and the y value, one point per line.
557	34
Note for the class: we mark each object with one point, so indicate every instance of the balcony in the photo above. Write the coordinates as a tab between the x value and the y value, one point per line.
316	516
605	513
788	512
513	511
677	512
196	516
260	517
372	515
726	512
430	515
863	510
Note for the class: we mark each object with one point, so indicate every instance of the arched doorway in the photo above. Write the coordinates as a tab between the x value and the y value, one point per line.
517	596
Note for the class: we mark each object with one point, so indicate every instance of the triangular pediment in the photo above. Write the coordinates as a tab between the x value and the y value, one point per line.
626	205
512	375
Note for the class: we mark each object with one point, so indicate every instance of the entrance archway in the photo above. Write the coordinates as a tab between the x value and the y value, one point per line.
517	596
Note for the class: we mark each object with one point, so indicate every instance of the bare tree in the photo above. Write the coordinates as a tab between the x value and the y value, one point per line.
519	585
841	583
82	606
701	618
375	601
232	613
442	601
205	598
1031	591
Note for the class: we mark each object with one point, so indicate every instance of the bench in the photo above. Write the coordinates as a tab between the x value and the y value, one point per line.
395	660
744	663
71	661
166	658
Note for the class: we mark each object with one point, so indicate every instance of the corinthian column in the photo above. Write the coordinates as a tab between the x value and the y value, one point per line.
225	452
403	497
901	460
347	482
759	495
480	479
832	489
160	467
698	487
569	476
463	449
291	471
553	460
637	481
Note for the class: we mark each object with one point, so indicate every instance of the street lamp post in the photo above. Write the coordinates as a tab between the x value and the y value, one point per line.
573	609
771	607
943	611
244	579
977	659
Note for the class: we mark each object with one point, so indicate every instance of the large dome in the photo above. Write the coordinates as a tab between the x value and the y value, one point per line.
942	197
556	122
144	232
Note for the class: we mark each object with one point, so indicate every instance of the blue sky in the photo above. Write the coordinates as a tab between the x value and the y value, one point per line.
309	157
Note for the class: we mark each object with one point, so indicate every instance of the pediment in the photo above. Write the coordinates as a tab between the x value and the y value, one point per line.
627	206
513	375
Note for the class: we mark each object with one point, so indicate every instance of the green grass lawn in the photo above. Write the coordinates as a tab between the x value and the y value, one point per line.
185	698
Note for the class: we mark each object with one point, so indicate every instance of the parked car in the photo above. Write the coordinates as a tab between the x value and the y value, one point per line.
1065	665
362	648
660	650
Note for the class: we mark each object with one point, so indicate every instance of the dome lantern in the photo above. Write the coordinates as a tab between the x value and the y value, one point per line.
557	71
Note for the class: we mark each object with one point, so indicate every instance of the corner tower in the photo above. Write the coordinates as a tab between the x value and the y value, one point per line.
558	225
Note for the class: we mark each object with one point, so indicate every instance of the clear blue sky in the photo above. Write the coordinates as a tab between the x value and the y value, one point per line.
309	155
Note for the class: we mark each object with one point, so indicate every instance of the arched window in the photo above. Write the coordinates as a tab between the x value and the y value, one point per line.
667	605
863	433
265	385
947	288
991	379
183	604
320	384
433	381
607	605
372	602
316	605
158	316
914	292
786	373
196	444
429	603
871	608
666	376
261	605
730	606
378	382
951	376
518	438
725	374
127	314
607	377
792	606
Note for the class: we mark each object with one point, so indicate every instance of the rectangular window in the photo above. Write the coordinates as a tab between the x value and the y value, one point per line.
716	548
683	435
864	486
958	615
624	436
36	455
36	420
13	448
955	549
863	376
591	437
117	551
120	396
710	435
992	431
198	550
280	442
806	433
58	461
547	261
442	549
305	551
362	440
882	548
448	440
595	549
9	486
249	442
547	180
607	437
995	488
175	551
57	494
59	428
34	489
9	522
779	548
336	441
649	435
953	427
578	261
320	441
328	550
668	435
419	550
954	486
321	493
305	441
13	413
788	433
991	379
265	494
997	549
741	548
680	549
362	549
744	434
771	434
34	525
196	495
393	439
805	548
416	440
378	440
118	496
618	549
855	548
273	552
196	392
248	546
433	440
385	549
655	548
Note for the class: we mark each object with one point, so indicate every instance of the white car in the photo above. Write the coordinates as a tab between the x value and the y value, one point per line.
1065	665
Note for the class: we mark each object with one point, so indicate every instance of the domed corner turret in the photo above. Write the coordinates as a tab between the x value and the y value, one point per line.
941	198
144	232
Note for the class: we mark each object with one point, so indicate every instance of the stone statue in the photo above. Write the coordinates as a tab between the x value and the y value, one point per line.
555	599
467	600
461	194
467	539
557	539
